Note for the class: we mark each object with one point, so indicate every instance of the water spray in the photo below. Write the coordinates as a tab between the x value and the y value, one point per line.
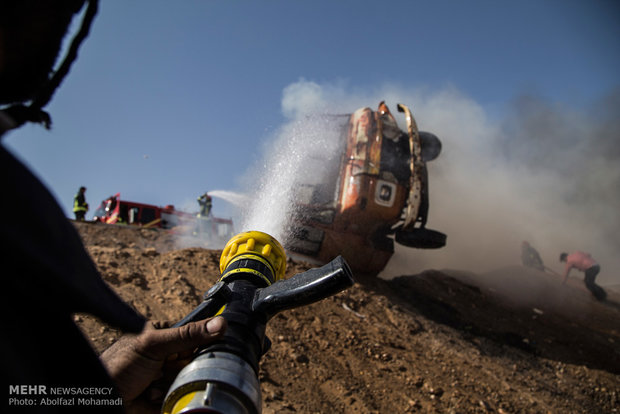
303	153
237	199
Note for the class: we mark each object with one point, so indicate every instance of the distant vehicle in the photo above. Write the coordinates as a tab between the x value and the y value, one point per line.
377	194
113	210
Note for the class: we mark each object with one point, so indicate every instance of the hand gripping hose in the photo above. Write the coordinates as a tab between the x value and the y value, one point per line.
223	377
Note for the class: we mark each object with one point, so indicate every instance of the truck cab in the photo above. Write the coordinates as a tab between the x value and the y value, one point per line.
375	196
113	210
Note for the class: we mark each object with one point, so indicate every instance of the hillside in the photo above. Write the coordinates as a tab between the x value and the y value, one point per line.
514	340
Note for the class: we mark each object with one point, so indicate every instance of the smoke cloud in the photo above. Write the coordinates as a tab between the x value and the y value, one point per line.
545	173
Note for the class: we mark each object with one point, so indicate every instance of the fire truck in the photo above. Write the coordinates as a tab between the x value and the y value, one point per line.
376	194
114	210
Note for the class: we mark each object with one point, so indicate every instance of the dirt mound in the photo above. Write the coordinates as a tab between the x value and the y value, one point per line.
510	341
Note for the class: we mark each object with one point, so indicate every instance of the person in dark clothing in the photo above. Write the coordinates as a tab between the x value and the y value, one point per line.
530	257
80	206
205	203
49	275
203	226
51	278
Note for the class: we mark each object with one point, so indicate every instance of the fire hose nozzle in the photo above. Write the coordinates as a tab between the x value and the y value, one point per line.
223	377
304	288
254	246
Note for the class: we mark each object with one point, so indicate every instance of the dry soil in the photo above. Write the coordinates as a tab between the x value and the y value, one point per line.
511	341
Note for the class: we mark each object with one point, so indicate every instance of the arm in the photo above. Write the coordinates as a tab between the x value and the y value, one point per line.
569	266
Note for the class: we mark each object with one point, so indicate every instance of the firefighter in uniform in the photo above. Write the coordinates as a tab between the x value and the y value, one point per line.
80	206
205	203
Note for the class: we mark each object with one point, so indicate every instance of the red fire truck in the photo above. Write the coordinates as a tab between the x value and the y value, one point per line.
113	210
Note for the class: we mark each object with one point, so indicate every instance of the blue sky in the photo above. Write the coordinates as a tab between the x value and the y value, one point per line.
169	99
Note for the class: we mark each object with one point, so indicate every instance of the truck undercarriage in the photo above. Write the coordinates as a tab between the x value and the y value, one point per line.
375	194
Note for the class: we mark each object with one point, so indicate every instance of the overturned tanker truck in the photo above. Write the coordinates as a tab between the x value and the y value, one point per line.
376	195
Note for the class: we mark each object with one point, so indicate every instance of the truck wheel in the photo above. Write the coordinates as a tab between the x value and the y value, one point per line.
420	238
383	243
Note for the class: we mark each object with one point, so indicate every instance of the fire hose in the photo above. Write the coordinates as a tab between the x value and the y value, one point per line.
223	377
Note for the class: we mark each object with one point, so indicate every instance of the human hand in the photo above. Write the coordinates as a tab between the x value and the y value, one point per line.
135	361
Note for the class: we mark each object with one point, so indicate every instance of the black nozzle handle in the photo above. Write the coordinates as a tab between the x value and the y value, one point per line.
304	288
214	299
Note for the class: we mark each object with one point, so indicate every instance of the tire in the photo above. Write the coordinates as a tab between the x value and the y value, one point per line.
421	238
383	243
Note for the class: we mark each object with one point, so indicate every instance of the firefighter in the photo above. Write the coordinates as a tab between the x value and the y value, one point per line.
205	205
204	221
80	206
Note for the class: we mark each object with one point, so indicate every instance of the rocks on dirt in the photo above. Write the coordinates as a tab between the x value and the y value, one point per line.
413	344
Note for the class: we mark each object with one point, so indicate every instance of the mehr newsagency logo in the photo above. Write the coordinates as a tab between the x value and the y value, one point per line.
42	395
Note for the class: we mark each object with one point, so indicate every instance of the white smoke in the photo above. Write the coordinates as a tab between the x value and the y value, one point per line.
302	98
545	174
499	182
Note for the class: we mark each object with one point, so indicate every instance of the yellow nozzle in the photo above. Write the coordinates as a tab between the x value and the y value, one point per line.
255	243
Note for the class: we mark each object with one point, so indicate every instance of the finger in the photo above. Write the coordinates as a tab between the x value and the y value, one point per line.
160	343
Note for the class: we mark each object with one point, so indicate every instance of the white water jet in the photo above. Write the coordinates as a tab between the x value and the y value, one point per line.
237	199
304	150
